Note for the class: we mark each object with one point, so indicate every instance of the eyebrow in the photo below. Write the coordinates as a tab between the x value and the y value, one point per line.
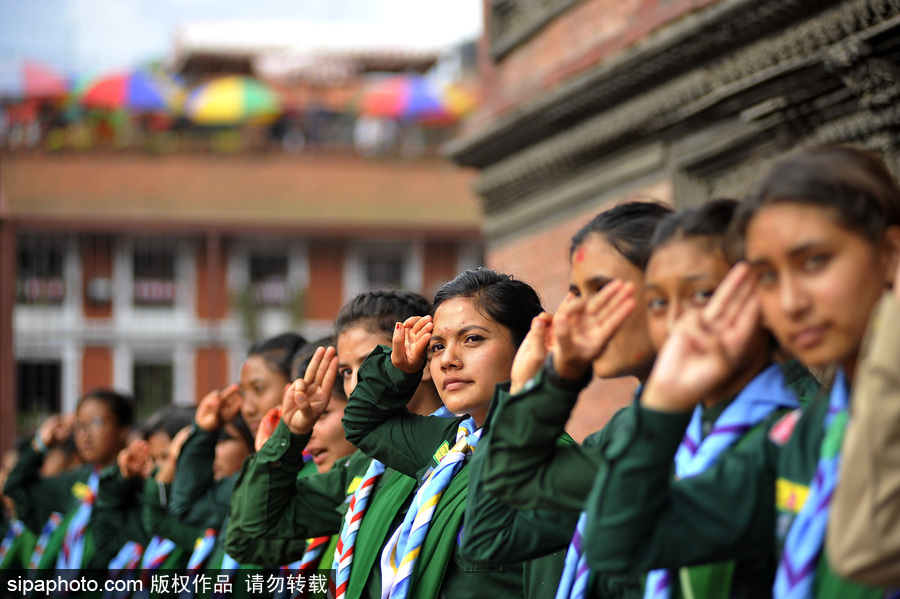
793	252
594	281
463	331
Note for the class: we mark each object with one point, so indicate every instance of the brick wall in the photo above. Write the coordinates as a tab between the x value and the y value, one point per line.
580	38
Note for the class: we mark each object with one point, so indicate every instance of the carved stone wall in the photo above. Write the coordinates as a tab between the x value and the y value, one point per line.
705	103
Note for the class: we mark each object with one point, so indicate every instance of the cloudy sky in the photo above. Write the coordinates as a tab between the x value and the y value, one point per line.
89	35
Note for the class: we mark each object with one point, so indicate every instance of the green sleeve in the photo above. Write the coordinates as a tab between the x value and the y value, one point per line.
158	520
525	467
36	497
640	518
272	501
197	499
116	515
494	532
377	422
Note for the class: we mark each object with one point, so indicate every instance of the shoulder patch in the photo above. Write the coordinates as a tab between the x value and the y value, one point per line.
790	496
354	484
782	430
80	491
443	450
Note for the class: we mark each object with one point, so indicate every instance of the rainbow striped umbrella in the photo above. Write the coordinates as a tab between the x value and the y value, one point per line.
414	98
136	91
232	100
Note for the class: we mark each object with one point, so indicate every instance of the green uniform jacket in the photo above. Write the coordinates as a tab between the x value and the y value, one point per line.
740	508
376	421
115	516
272	504
277	502
158	521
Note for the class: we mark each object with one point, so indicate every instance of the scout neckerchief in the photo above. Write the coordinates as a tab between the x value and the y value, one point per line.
72	553
343	555
15	530
123	567
157	552
803	544
41	545
763	395
203	547
399	556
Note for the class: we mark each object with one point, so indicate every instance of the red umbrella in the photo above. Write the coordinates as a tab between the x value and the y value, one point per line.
136	91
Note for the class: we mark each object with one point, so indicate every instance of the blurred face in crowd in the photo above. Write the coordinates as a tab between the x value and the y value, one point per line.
328	443
470	354
681	275
354	344
231	449
159	446
262	388
816	280
98	437
594	264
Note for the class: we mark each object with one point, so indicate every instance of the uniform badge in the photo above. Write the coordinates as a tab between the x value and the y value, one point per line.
781	432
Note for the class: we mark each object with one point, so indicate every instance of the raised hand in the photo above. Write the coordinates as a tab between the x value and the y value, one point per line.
409	346
306	399
134	460
532	353
218	407
267	426
55	429
583	327
166	472
705	347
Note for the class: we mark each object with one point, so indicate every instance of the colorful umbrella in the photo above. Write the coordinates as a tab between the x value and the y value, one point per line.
414	98
232	100
31	79
136	91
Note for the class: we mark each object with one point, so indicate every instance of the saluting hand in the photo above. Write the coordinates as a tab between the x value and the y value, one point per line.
218	407
409	345
56	429
583	327
532	353
134	460
306	399
704	347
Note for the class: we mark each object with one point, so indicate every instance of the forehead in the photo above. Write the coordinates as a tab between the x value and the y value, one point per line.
596	257
682	258
779	227
255	367
359	340
457	313
92	408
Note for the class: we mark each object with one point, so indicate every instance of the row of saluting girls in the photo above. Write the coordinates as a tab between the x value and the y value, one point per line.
714	482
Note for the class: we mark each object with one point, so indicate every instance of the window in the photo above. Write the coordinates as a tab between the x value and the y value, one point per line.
153	384
384	266
39	385
268	279
154	275
39	269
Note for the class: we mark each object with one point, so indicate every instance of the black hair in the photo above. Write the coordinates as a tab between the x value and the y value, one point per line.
120	405
278	351
854	183
169	419
710	220
627	227
498	296
380	310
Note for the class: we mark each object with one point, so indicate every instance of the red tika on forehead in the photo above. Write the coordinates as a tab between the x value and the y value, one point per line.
579	254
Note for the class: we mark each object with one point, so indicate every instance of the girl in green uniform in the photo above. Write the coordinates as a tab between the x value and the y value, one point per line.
478	320
271	504
821	236
95	522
